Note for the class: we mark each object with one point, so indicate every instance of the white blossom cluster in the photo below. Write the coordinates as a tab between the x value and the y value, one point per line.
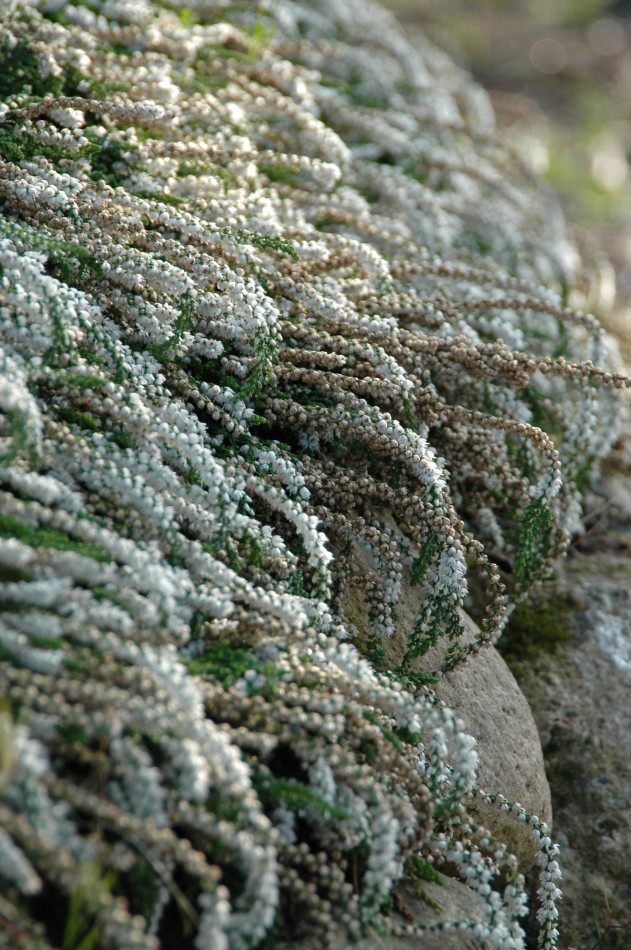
270	293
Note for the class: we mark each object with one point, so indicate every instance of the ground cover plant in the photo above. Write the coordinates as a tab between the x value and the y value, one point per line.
270	293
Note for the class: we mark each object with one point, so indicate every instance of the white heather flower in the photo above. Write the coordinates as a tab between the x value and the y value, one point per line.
17	404
214	920
15	866
322	781
285	821
382	865
140	791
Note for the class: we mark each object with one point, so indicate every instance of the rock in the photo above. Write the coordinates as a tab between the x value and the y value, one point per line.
486	696
584	716
452	900
356	608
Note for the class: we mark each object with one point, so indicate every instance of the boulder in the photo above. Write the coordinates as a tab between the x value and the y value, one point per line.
580	699
450	901
486	696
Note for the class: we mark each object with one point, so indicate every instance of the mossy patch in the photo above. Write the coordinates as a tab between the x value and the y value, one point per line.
539	627
417	872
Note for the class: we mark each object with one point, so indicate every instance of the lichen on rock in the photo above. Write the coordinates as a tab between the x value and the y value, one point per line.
270	292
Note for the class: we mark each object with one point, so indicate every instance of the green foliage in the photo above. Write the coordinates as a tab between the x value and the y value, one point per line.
295	795
415	680
412	738
47	643
375	651
429	551
487	399
357	91
264	241
161	197
408	412
141	885
110	161
417	872
49	538
194	477
396	471
533	396
13	575
72	264
205	80
7	748
22	443
122	438
324	223
80	380
260	369
260	36
100	593
582	478
296	584
196	169
397	736
417	869
185	320
22	73
370	751
225	809
439	617
224	662
534	523
89	356
279	173
387	907
562	347
76	83
186	17
19	145
81	931
393	738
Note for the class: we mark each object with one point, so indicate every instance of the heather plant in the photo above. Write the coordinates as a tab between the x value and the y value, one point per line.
270	292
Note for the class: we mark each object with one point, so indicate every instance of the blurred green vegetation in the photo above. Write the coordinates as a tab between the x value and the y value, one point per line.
559	73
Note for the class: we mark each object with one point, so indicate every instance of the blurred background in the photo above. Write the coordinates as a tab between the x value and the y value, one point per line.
559	75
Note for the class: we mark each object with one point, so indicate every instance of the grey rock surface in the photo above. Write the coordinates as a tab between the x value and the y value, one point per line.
450	901
486	696
581	699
